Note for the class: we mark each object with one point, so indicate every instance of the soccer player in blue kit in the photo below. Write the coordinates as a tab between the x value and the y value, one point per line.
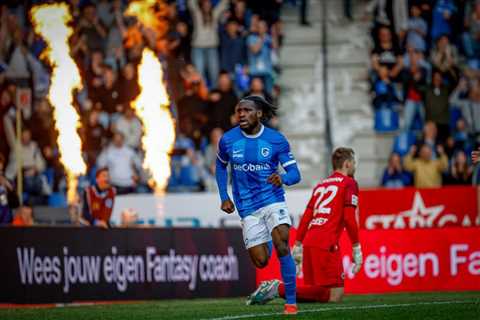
254	153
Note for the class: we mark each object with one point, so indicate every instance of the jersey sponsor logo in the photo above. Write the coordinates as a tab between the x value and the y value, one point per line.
109	203
318	222
237	154
265	152
250	167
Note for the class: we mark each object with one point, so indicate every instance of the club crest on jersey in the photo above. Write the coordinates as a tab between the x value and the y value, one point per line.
265	152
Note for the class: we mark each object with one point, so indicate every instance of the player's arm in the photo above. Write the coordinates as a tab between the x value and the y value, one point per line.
349	212
221	175
297	252
305	221
289	164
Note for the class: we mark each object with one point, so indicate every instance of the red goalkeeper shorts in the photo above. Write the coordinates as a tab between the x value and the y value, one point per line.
323	267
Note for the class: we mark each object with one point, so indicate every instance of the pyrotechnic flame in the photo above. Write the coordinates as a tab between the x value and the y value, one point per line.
153	16
151	107
51	22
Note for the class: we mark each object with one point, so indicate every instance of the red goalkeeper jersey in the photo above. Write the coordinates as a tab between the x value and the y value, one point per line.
330	209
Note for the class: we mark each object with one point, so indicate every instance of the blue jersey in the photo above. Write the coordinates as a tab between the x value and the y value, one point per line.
253	158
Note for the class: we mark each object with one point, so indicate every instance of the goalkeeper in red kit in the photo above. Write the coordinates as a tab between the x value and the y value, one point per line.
331	209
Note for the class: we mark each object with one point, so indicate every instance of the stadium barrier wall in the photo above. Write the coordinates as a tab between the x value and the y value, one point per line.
407	208
46	265
436	259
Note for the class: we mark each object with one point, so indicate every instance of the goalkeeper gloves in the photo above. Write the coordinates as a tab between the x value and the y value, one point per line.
357	257
297	254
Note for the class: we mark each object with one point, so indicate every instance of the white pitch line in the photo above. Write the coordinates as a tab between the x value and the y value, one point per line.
377	306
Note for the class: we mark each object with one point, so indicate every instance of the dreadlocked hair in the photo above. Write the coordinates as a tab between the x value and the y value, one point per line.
268	109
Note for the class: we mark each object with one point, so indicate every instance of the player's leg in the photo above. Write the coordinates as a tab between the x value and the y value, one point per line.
323	277
280	235
336	275
259	255
256	238
309	292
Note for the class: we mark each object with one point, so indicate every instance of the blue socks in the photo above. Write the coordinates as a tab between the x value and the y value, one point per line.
287	267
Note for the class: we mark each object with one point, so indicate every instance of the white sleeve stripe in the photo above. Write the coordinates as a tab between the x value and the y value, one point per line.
286	164
219	158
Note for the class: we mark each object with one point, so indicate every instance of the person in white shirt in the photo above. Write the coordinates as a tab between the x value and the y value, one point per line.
123	164
131	128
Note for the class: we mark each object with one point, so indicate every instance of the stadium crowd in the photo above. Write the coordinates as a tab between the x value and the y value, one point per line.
213	51
425	64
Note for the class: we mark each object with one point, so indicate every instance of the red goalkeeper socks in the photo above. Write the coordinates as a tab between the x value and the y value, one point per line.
308	293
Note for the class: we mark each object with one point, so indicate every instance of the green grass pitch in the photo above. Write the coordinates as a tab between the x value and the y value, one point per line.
465	305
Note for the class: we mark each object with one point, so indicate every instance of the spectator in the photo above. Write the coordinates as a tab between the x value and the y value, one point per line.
129	88
233	49
123	164
442	15
385	102
205	36
130	127
417	29
192	112
415	80
394	175
437	107
392	14
242	15
193	81
461	137
108	94
94	73
469	104
94	135
387	53
33	165
210	157
43	130
180	42
93	29
445	58
222	103
111	15
6	195
54	171
260	46
23	217
185	175
460	172
98	201
430	138
476	156
471	37
257	88
426	171
20	61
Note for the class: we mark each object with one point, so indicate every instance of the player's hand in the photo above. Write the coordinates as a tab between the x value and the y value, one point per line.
228	206
275	179
476	156
297	254
357	258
